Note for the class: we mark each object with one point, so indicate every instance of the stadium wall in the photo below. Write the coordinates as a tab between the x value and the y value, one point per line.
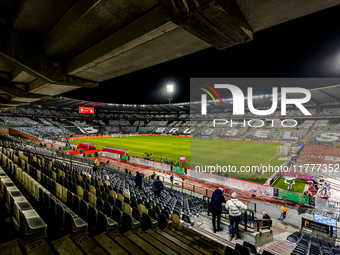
17	133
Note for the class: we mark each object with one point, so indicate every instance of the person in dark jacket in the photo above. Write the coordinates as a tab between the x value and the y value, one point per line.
138	180
158	186
215	208
265	216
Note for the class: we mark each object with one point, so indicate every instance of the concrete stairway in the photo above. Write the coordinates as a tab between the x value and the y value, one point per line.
153	241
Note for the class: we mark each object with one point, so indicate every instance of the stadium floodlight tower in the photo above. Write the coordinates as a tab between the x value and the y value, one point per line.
170	91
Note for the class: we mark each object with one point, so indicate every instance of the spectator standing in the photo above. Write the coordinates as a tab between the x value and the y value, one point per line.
158	186
215	208
153	175
235	208
172	180
283	211
126	170
138	180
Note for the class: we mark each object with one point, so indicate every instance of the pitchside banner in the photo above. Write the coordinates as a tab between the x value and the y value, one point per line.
266	111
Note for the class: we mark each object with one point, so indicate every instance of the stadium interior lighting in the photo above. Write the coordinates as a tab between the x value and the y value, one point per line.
170	91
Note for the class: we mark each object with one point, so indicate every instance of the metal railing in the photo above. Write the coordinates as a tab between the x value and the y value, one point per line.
248	219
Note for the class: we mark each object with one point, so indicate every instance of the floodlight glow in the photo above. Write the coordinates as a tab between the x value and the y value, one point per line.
170	88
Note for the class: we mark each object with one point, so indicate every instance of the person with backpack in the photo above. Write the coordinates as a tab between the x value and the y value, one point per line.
235	208
215	207
158	186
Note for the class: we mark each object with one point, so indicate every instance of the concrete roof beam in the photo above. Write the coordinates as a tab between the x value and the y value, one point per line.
23	55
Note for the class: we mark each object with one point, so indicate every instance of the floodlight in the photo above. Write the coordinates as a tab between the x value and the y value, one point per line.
170	88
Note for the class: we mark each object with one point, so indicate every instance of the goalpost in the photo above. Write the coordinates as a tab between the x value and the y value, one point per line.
284	149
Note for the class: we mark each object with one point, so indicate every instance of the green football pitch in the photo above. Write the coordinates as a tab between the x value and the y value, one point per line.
200	152
299	185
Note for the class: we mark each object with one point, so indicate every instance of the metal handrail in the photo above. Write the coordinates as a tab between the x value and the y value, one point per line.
255	224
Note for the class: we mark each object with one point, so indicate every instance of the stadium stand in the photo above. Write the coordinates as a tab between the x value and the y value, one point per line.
78	200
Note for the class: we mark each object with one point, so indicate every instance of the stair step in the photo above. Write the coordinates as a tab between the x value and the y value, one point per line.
40	246
89	245
127	244
190	241
65	246
135	238
148	238
210	236
167	242
202	241
109	244
11	248
189	247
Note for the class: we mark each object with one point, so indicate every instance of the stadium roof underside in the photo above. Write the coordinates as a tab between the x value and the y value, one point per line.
51	47
326	96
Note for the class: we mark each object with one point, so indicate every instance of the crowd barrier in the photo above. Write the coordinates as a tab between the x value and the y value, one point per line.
228	181
154	164
327	205
250	141
120	135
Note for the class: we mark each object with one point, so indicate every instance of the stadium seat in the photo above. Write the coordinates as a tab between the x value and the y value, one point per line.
129	223
106	222
93	215
148	222
32	223
108	209
265	252
100	204
163	221
187	219
231	251
136	214
119	204
250	247
142	208
117	215
80	192
243	250
93	200
75	224
64	195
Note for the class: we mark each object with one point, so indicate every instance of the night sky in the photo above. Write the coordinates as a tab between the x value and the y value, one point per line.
305	47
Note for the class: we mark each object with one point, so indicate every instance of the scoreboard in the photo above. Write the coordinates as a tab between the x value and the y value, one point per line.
89	110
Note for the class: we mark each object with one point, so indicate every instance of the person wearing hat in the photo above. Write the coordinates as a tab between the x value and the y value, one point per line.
138	180
235	208
215	208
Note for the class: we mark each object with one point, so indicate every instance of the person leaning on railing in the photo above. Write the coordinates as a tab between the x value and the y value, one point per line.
235	208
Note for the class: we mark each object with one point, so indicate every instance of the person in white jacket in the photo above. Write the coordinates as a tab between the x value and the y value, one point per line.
235	208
